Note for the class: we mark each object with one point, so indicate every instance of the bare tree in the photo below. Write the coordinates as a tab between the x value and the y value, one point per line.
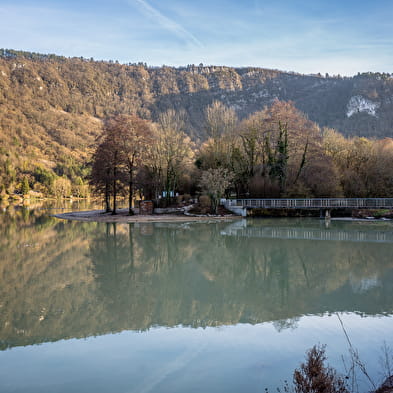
215	182
173	151
221	122
122	150
101	173
134	136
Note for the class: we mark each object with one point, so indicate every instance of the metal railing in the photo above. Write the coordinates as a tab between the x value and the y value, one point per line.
313	203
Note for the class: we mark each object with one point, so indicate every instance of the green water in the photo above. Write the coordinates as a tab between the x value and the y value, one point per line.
189	307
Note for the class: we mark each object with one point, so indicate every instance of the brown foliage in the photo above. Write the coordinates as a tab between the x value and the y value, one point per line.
123	150
314	377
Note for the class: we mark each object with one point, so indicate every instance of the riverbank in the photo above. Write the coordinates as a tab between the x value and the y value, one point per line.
123	217
369	219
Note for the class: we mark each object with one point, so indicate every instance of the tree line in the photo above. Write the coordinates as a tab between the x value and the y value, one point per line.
274	153
52	107
136	156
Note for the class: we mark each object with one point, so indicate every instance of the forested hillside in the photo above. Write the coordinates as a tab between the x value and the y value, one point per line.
51	107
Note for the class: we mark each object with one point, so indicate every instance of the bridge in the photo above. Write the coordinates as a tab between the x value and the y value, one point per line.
240	206
291	230
309	233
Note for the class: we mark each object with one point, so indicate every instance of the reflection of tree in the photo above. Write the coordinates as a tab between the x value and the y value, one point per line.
280	278
279	271
112	253
283	324
83	279
104	251
135	273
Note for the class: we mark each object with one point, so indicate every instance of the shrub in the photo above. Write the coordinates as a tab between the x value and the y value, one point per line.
204	201
314	377
179	199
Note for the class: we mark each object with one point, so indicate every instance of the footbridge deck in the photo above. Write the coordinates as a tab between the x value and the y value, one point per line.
314	203
240	205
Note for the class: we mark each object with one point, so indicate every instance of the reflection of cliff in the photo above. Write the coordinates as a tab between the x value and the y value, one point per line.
62	280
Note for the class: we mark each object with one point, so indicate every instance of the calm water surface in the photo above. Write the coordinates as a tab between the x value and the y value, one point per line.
189	307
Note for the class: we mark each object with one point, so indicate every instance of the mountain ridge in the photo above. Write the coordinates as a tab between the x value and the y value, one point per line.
51	107
338	102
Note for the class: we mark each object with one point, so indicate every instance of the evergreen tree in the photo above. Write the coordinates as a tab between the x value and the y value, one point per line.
25	186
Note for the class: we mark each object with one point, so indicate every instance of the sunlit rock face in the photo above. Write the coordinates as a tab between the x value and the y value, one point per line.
365	284
359	104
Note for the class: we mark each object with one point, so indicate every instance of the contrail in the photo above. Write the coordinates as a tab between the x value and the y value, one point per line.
167	23
170	367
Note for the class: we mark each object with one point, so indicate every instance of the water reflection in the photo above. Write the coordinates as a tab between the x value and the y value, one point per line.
356	231
70	279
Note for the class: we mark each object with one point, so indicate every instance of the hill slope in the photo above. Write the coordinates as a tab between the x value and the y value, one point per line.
51	106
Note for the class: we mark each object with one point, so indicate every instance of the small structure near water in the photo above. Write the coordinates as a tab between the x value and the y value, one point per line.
146	208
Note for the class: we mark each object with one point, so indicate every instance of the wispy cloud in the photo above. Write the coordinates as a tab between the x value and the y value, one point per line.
167	23
308	38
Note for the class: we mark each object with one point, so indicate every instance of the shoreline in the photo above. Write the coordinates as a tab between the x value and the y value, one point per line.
123	217
373	219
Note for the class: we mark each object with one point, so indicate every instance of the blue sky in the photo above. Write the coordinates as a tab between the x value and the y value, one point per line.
337	37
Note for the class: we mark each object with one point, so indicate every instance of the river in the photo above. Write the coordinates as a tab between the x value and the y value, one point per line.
187	307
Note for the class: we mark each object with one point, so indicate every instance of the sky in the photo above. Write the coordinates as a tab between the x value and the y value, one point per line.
336	36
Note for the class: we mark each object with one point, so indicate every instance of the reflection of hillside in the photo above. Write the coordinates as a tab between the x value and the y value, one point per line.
43	276
61	280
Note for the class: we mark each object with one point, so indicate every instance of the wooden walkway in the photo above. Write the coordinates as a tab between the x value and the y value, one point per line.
312	203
